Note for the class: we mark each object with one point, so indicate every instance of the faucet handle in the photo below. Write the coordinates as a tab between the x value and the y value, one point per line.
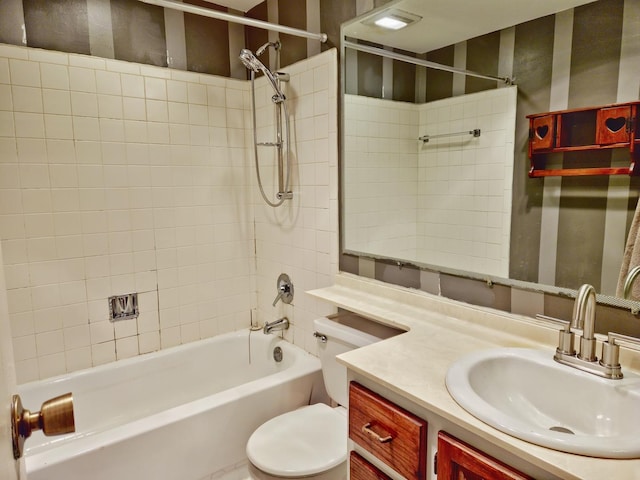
285	289
565	335
611	350
281	292
610	355
626	341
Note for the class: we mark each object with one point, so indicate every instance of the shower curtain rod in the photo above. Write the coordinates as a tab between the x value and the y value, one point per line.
424	63
252	22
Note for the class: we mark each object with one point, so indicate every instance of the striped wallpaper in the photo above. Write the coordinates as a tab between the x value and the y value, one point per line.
131	30
586	62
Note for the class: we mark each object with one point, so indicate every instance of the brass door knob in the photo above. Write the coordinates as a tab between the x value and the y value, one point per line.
54	418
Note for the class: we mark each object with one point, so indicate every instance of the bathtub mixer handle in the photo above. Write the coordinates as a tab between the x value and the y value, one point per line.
285	289
54	418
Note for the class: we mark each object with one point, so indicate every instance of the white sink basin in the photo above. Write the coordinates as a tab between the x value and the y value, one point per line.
528	395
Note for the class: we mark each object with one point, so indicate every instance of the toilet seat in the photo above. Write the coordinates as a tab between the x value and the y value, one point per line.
300	443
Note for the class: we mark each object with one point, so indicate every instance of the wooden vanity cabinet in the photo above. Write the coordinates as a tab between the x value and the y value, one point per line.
459	461
393	435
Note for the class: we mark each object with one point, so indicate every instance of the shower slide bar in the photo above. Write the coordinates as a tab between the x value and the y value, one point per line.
475	132
423	63
252	22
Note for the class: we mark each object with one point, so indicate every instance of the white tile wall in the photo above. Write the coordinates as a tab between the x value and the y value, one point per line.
465	183
382	197
117	177
445	202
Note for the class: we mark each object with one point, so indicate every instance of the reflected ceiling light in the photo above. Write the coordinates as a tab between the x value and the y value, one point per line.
392	19
391	22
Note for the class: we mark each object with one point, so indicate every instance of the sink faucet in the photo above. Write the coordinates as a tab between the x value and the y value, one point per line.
584	318
629	279
276	325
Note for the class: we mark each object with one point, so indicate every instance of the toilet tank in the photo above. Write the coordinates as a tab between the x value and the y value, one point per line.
345	332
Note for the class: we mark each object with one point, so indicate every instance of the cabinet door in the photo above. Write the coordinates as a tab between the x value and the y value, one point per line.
360	469
613	125
389	432
459	461
542	132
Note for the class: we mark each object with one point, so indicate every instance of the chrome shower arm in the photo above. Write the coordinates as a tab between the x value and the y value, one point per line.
276	46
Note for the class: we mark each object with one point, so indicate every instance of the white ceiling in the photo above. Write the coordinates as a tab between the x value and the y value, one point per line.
242	5
448	22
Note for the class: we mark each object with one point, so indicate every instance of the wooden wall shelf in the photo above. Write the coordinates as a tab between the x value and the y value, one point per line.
584	130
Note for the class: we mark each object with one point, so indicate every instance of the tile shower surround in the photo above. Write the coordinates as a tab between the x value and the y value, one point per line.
382	198
118	177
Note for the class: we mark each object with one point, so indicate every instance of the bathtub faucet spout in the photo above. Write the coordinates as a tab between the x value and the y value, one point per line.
276	326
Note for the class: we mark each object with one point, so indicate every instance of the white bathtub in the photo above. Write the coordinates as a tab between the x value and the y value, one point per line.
179	414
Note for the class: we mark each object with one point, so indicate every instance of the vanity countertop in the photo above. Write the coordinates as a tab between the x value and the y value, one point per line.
414	364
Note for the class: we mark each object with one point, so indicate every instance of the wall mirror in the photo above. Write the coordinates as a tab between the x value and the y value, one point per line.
472	196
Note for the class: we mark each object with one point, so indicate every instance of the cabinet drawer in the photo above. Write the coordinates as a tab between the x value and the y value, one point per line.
392	434
360	469
457	460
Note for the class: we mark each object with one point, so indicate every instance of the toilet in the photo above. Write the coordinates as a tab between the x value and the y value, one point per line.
311	442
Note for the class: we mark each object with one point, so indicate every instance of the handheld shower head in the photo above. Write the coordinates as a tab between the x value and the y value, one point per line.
250	61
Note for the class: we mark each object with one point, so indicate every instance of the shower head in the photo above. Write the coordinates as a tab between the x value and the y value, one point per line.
250	61
276	46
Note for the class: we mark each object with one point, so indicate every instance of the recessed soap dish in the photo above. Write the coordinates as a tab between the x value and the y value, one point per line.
123	307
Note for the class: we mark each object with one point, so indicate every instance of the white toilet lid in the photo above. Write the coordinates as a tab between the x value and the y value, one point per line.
300	443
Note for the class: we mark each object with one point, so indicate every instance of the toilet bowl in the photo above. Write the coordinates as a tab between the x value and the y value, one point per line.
308	442
311	442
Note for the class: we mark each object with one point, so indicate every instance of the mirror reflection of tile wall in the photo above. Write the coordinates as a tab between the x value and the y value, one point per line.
442	202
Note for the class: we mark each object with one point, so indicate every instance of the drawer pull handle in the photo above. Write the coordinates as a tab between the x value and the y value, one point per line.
366	429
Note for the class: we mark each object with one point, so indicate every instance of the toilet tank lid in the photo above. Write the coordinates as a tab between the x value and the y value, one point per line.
352	336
